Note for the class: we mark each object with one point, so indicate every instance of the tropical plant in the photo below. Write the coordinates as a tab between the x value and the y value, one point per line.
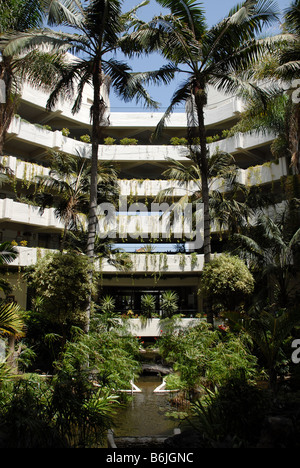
63	282
271	249
11	326
232	415
109	369
8	253
68	412
228	199
227	282
66	187
210	57
169	303
108	304
98	30
280	112
21	57
204	358
148	304
269	331
107	314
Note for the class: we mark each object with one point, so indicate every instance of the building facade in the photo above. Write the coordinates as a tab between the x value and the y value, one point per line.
158	264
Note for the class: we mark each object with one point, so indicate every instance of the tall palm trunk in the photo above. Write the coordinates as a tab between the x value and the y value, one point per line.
6	108
294	137
98	111
200	100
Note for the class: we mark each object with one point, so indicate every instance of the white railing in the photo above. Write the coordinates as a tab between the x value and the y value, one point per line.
138	263
134	188
49	140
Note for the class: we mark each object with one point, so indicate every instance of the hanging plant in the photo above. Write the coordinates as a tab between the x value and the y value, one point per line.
193	259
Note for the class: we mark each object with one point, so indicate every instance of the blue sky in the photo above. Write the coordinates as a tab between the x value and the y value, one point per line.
215	11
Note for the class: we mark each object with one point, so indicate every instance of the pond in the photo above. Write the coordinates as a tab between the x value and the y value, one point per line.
144	416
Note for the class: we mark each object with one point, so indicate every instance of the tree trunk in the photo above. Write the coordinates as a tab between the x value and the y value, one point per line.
98	111
202	160
200	102
7	108
11	356
294	137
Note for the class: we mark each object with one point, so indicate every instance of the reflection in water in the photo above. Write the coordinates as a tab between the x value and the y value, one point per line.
145	414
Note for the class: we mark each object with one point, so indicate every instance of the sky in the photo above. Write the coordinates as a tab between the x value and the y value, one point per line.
215	10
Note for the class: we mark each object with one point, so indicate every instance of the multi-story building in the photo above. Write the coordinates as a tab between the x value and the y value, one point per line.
35	131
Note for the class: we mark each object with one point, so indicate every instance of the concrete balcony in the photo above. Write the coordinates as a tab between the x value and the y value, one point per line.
155	327
140	263
22	213
37	100
151	263
256	175
40	138
241	142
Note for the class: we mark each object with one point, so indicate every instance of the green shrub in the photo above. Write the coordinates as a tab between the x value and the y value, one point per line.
203	356
62	280
234	413
128	141
169	303
109	141
65	132
176	141
85	138
148	305
226	282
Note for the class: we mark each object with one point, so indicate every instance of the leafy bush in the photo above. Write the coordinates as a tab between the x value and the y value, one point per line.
65	132
226	282
68	412
176	141
233	415
204	357
128	141
62	280
85	138
148	305
169	303
109	141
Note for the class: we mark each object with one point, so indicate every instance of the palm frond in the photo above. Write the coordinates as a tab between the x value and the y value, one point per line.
180	95
8	253
11	322
189	12
63	12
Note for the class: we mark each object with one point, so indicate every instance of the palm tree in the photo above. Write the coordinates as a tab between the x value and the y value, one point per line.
8	253
66	187
148	304
98	35
271	249
11	325
21	57
228	198
169	303
281	112
208	57
289	62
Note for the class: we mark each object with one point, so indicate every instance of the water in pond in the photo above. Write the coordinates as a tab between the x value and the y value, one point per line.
145	414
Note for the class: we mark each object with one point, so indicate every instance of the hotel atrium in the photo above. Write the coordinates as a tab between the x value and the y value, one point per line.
157	264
